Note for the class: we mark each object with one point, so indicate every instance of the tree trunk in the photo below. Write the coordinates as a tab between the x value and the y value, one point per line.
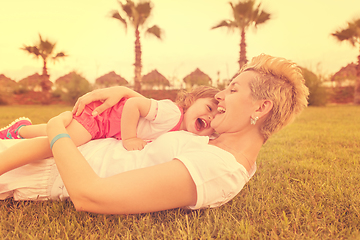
45	78
44	72
138	66
242	59
357	83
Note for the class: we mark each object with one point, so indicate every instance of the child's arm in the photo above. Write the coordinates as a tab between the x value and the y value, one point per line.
110	96
134	108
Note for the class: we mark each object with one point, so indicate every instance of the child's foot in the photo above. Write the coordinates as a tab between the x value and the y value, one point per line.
12	130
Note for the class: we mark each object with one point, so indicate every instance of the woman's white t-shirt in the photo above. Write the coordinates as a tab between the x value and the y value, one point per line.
217	175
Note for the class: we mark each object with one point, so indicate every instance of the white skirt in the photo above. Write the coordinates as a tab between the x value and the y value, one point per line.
33	181
41	180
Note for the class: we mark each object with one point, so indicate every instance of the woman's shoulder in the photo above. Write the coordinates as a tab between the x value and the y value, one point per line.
216	173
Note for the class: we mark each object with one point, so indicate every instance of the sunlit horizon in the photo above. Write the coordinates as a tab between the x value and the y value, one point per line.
96	44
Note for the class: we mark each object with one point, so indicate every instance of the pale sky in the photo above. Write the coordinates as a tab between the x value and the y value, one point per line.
97	44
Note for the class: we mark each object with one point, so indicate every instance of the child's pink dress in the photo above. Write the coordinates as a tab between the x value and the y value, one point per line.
163	116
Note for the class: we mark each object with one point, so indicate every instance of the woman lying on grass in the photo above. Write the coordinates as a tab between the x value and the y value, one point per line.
179	169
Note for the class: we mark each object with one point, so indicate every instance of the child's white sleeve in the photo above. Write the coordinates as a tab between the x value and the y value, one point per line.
153	110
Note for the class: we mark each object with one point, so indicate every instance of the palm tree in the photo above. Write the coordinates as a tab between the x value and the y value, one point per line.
45	50
352	35
137	15
245	15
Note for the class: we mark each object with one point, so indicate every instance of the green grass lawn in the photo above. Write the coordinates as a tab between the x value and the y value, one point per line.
306	187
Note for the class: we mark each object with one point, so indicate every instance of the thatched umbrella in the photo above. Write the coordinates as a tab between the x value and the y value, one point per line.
345	74
7	84
35	82
71	86
198	78
70	80
154	79
110	79
64	79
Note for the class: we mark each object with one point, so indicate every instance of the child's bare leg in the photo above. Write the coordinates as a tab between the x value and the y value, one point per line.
34	149
78	133
32	131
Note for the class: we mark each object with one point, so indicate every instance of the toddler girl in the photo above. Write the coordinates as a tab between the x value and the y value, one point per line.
135	121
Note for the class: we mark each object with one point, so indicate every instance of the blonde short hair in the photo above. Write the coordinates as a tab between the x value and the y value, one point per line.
282	82
185	99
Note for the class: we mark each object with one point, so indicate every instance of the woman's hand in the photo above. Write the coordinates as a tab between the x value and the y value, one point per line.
110	96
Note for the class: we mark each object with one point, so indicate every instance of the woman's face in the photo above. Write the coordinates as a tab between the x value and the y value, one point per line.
235	105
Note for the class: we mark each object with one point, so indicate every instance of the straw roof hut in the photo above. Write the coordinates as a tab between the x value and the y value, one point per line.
7	84
110	79
65	79
34	82
71	80
154	80
197	78
346	76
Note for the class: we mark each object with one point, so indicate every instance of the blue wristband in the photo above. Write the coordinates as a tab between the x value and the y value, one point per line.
57	137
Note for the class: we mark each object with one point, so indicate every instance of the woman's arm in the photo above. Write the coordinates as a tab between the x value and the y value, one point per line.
134	108
110	96
164	186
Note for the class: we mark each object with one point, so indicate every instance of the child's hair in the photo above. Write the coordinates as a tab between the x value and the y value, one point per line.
185	99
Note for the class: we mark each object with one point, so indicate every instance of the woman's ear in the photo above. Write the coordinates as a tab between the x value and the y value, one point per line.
265	107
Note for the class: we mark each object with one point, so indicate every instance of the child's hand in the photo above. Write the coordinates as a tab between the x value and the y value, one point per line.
109	96
133	144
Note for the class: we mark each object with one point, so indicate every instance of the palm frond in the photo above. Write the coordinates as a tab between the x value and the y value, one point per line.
243	8
345	35
127	8
246	14
31	50
136	14
115	14
45	47
155	30
59	55
144	10
262	17
350	34
231	25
